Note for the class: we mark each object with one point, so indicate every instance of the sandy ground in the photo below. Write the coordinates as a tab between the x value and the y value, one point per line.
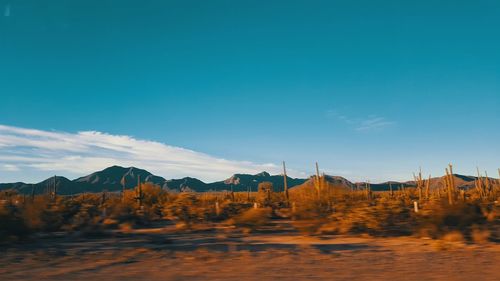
161	254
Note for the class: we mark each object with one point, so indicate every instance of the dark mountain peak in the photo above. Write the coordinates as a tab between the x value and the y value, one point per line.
336	180
263	174
330	181
114	168
464	178
242	182
112	178
185	184
115	171
238	179
391	182
58	179
133	171
185	179
235	179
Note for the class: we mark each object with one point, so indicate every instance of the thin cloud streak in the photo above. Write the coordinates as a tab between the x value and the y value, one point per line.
373	123
7	11
84	152
9	168
370	123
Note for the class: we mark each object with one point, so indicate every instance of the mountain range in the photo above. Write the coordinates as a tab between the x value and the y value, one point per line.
112	178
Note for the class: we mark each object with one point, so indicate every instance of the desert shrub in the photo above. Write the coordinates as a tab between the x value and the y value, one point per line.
51	218
231	209
153	194
122	212
440	219
251	219
313	204
480	235
380	218
88	220
129	212
264	193
12	224
185	208
68	209
266	197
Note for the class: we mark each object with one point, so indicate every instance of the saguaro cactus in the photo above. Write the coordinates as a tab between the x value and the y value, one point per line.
498	179
317	180
479	185
487	184
285	185
249	189
419	183
217	208
450	184
232	193
54	189
428	188
32	192
123	183
139	196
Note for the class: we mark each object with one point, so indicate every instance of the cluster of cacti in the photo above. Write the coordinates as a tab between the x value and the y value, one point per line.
485	187
422	186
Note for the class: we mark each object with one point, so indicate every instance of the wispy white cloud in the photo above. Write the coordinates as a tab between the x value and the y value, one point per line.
84	152
373	123
361	124
7	11
9	168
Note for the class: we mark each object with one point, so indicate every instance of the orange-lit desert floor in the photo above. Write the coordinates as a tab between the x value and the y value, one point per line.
226	254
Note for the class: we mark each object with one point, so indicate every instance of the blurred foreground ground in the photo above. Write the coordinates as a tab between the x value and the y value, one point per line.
227	254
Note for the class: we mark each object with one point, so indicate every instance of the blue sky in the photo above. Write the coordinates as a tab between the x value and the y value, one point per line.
369	89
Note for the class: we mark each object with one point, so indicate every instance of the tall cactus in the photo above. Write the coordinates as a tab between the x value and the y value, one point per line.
428	188
54	189
232	193
498	186
123	183
285	185
487	185
419	183
317	182
449	183
249	189
32	192
139	195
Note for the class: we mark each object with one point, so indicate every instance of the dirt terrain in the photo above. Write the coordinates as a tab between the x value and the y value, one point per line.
227	254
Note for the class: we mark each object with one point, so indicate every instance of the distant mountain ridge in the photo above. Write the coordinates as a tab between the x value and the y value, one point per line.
111	178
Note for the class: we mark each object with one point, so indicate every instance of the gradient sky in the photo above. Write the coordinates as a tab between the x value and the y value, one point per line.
369	89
